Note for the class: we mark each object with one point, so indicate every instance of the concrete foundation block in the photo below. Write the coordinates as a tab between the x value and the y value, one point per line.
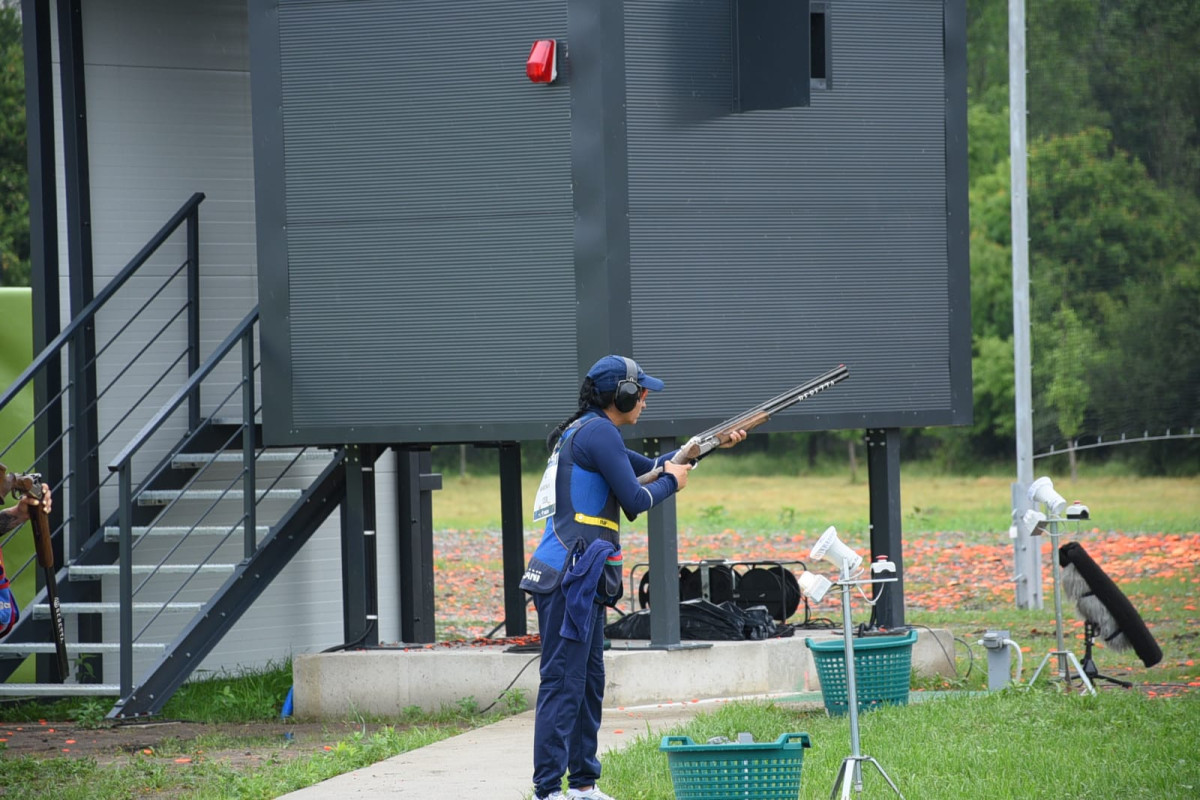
385	682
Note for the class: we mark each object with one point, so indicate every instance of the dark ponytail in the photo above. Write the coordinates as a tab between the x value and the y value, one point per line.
589	399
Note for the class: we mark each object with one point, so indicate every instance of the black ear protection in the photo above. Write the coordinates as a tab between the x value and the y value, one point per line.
628	392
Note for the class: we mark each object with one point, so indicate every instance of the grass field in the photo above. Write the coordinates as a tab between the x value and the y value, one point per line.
957	554
1010	745
716	499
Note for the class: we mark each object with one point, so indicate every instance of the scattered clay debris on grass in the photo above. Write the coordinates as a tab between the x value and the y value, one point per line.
470	590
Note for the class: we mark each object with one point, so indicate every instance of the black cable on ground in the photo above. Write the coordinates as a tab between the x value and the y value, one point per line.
510	684
949	657
356	643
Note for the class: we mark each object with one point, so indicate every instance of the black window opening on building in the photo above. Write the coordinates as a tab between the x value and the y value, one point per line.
818	44
783	53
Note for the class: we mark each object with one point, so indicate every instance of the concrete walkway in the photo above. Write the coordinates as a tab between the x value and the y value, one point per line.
495	762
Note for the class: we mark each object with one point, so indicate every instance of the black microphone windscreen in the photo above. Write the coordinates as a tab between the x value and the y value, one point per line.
1101	603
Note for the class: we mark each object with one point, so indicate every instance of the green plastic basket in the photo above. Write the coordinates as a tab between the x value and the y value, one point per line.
745	771
882	671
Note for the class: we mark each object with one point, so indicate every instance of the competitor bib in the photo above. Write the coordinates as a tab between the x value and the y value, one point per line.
543	501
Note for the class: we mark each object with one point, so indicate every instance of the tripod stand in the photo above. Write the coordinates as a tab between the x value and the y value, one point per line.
1064	655
1089	666
851	769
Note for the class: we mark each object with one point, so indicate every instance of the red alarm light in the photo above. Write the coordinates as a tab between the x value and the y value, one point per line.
542	66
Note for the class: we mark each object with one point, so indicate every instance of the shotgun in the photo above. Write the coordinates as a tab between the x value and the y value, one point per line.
705	442
30	485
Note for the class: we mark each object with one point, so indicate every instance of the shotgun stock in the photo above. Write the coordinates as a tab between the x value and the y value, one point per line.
705	442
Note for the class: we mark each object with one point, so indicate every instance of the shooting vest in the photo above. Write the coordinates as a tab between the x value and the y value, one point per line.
568	532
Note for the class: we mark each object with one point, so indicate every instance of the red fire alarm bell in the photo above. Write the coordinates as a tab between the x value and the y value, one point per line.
542	66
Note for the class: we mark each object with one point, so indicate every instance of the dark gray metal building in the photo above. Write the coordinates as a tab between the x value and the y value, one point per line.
467	241
409	242
739	193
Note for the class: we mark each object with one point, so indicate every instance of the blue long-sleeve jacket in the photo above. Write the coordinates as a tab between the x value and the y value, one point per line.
596	479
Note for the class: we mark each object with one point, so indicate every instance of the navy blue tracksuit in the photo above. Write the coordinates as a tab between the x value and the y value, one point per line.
596	479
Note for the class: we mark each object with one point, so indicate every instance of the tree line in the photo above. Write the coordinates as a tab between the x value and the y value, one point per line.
1113	99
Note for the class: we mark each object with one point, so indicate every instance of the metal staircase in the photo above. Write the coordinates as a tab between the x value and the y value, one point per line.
162	551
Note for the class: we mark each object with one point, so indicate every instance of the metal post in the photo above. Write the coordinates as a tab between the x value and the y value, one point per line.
851	677
662	534
1063	655
354	583
512	535
43	242
193	314
249	446
850	772
48	401
883	475
416	483
370	454
126	579
85	460
1027	570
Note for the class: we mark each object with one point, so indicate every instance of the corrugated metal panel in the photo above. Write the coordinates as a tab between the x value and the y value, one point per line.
826	224
429	224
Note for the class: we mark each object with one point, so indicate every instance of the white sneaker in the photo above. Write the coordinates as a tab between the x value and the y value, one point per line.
593	793
554	796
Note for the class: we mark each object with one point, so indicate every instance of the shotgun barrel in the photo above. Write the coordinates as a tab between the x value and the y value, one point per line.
705	442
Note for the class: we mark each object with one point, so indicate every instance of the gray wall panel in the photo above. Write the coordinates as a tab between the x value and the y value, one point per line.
827	223
428	220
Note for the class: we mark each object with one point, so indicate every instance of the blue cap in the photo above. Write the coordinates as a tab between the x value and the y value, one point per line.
611	370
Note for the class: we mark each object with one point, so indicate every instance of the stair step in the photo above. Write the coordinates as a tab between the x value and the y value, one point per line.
193	460
83	573
234	420
77	647
42	610
112	533
162	497
59	689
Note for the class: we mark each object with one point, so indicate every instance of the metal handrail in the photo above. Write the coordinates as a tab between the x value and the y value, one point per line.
88	313
122	465
183	392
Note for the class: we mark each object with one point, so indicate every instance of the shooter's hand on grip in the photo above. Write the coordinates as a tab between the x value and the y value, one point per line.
684	459
34	498
680	471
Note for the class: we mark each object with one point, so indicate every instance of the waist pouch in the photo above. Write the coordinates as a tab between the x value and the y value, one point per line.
612	581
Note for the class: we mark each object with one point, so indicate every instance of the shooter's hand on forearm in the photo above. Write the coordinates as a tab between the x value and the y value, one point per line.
734	438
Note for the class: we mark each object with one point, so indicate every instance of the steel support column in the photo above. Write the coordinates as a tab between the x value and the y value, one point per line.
512	535
415	484
83	443
43	279
662	534
883	471
355	585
